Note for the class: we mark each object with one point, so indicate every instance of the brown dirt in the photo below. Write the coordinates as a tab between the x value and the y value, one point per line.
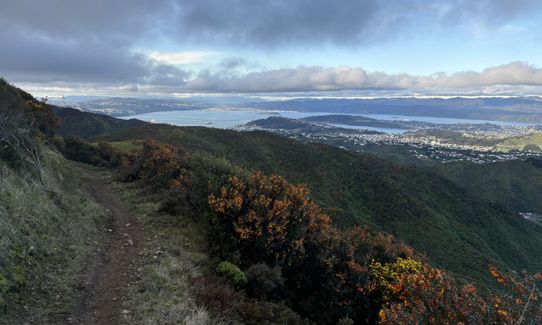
114	266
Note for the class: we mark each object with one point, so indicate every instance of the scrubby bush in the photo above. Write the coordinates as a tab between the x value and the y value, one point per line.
277	223
25	125
236	308
433	297
265	282
273	219
101	155
233	273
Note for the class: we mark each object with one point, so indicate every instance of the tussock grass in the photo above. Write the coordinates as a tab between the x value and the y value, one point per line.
46	239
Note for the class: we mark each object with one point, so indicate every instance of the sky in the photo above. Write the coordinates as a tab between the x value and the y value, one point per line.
176	47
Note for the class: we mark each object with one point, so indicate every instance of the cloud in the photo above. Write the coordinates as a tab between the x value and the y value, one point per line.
179	58
347	78
516	78
97	19
256	23
278	23
273	23
233	62
93	43
29	57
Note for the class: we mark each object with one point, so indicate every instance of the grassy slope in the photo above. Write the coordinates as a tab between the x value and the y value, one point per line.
458	230
83	124
518	143
38	233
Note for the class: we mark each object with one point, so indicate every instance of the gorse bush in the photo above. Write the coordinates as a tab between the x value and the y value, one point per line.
385	275
433	297
278	224
274	220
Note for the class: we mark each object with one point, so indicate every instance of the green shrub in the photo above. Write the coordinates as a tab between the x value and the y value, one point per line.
232	273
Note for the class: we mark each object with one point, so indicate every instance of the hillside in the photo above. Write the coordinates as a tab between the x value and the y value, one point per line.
47	218
527	142
83	124
516	184
190	234
526	109
459	231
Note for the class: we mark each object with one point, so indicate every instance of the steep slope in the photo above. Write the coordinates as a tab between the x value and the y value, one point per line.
82	124
516	183
40	230
46	219
459	231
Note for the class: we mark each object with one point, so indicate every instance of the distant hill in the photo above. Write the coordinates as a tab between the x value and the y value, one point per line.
531	142
278	122
458	230
526	109
83	124
303	125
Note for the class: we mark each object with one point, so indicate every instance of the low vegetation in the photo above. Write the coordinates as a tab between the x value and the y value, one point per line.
457	226
258	224
40	230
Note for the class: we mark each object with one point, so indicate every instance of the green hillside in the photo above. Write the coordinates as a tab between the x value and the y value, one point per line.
515	183
84	125
458	230
527	142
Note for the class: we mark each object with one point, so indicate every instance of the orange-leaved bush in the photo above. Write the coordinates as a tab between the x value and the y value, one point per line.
432	297
161	165
272	218
278	223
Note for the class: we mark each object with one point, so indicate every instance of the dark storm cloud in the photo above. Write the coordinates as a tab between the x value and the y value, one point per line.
81	19
260	23
271	24
29	57
278	22
82	41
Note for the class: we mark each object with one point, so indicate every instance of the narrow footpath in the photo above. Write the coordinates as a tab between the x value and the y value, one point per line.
114	266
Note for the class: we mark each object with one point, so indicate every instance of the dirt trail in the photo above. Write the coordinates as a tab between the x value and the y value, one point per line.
114	266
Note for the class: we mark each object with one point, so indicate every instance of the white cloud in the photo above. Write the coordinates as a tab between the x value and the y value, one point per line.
516	78
180	58
350	78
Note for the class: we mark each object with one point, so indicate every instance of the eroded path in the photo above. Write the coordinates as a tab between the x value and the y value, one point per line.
114	266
